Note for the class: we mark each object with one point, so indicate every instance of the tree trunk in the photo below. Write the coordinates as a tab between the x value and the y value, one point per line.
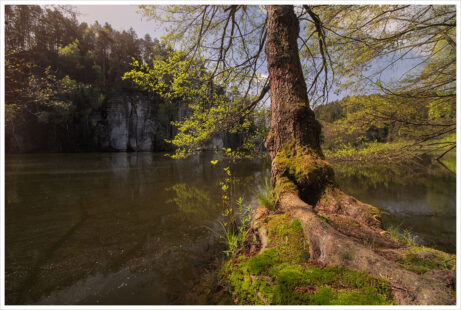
294	132
292	119
349	232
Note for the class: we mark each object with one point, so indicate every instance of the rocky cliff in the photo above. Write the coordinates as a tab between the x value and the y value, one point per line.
127	124
122	123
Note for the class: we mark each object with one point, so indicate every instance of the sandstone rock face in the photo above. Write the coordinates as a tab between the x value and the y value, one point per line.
128	124
142	125
135	124
124	123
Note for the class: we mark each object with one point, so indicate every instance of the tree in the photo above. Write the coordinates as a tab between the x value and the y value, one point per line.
229	41
410	127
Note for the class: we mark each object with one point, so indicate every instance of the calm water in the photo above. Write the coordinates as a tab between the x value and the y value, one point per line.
419	197
134	228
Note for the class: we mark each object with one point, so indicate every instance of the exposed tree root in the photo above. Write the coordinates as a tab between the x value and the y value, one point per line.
349	246
342	231
354	218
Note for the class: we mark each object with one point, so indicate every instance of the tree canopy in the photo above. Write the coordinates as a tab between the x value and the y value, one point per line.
346	49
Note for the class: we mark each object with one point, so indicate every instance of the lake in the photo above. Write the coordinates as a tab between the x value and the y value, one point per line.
137	228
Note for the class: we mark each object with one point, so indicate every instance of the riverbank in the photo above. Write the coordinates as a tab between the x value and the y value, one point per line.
331	250
277	267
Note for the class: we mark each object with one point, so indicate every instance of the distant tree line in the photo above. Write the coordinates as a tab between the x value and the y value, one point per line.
415	123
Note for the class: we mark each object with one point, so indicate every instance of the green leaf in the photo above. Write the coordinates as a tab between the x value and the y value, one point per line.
214	162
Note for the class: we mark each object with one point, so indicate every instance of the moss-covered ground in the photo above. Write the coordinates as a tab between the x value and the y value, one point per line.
421	260
283	274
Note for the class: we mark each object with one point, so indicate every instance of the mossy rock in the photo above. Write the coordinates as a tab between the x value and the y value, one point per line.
282	274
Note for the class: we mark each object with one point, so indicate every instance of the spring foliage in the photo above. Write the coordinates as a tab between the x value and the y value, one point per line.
211	108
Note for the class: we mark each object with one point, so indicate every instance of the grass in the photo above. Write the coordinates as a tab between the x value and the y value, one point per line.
230	239
233	236
399	235
266	197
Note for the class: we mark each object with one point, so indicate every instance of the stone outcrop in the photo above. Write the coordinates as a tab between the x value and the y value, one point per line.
123	123
128	124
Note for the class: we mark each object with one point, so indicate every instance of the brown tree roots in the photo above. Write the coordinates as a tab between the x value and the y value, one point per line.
351	236
337	231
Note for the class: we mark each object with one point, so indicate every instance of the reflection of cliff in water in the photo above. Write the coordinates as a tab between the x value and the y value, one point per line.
103	228
417	196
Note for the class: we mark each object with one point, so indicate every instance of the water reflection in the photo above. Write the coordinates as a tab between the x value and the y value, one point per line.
110	228
420	197
193	205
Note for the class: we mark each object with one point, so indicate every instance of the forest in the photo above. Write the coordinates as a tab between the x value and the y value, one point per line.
252	155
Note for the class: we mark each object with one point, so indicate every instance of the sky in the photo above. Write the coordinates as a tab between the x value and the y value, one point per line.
120	17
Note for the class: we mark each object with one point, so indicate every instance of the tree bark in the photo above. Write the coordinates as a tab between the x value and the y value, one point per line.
291	116
293	125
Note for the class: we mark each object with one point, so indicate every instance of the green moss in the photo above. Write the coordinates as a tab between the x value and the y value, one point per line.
421	260
330	285
358	279
324	296
364	296
415	268
281	274
238	278
302	169
299	162
283	184
288	275
287	236
262	262
296	224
